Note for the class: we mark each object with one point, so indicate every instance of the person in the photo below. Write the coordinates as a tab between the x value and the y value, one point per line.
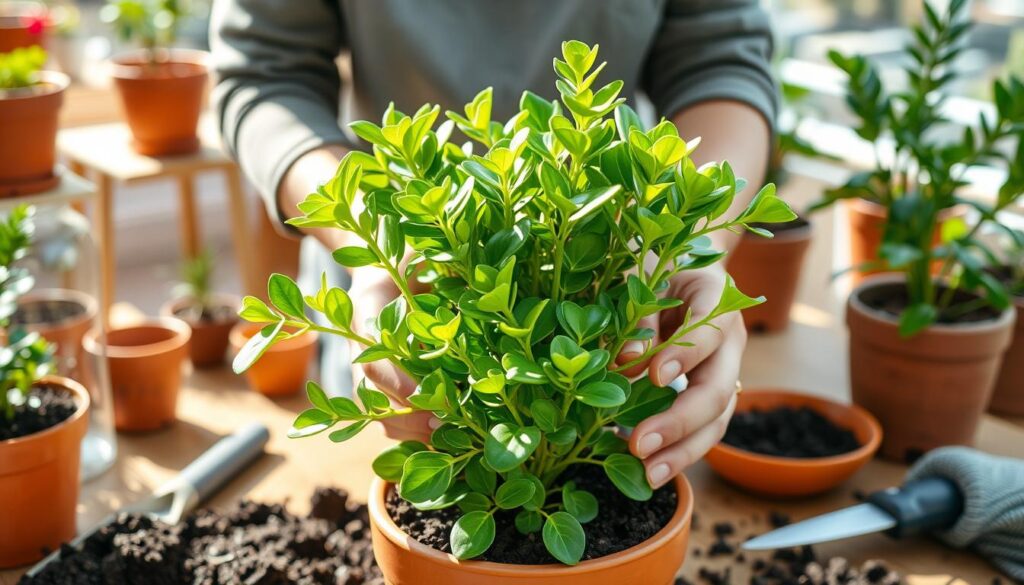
704	64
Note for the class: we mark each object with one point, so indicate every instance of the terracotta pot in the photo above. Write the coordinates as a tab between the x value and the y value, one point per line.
770	267
867	225
929	390
39	484
209	338
22	24
66	333
1008	396
405	561
145	370
790	477
162	100
28	135
281	371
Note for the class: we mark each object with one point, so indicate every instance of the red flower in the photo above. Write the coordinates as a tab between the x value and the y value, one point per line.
36	25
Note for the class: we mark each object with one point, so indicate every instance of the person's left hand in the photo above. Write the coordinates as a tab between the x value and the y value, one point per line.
675	439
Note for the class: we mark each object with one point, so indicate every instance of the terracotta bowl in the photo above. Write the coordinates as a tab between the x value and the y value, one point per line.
792	477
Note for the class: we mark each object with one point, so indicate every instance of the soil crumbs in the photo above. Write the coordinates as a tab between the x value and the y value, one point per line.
44	407
621	522
789	432
250	544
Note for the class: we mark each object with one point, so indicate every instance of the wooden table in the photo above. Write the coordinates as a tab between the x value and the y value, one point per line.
810	356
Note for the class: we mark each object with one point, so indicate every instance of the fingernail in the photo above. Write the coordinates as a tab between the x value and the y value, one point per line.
649	443
434	423
658	474
669	371
633	349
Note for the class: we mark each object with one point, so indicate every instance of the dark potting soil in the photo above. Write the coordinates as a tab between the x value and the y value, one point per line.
216	314
893	299
45	407
621	523
779	228
789	432
50	312
249	544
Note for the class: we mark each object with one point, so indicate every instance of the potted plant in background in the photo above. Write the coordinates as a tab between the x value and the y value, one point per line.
67	44
524	251
1008	396
211	315
22	25
30	100
162	89
925	348
284	367
42	421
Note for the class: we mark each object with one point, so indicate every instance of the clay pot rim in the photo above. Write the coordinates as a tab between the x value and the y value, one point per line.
227	300
240	334
182	334
52	82
83	299
127	65
387	527
878	211
864	452
83	399
876	280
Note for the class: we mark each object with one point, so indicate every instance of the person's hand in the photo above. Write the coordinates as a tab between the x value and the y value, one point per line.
680	436
371	290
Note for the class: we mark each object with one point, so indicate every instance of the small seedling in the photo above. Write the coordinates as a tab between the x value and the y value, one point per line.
152	24
196	275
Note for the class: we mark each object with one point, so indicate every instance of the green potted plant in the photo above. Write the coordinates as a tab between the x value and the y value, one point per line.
925	347
1008	396
211	315
22	24
42	421
531	257
30	100
162	89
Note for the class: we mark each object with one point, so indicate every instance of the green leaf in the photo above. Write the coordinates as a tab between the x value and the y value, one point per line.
581	504
601	395
390	463
354	257
338	308
373	400
514	493
529	522
645	400
520	369
311	422
508	446
286	295
564	538
426	476
545	415
472	535
475	501
255	310
256	346
317	397
733	299
348	432
608	443
917	318
767	207
345	409
480	477
627	473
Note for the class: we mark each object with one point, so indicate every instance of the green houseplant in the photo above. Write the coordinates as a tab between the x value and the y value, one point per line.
211	315
937	337
524	251
30	100
161	88
42	421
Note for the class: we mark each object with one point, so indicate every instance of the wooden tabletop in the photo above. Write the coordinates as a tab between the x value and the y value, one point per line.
811	356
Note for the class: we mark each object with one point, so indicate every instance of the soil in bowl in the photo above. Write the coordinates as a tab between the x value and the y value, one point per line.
249	544
789	432
44	408
621	523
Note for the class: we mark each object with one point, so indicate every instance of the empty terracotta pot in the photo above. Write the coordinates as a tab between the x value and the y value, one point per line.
162	99
281	371
929	390
62	316
791	477
1008	396
28	135
405	561
22	24
39	484
210	337
770	267
145	370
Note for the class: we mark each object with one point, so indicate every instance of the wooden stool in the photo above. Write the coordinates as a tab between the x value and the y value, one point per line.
105	152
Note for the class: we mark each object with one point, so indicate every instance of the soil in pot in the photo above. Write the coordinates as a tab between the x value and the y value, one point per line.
621	523
45	407
248	544
789	432
49	312
211	327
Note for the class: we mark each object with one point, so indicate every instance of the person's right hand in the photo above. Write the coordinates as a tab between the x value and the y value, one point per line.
371	290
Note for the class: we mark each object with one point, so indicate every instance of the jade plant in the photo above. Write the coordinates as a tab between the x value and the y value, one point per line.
924	177
520	257
19	68
152	24
24	357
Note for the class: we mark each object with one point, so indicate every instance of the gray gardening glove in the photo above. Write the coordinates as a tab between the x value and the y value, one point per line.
993	518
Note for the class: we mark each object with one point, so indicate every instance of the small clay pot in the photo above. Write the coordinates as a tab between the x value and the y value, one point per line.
62	316
145	370
929	390
210	338
28	135
39	484
22	24
405	561
1008	396
281	371
791	477
162	99
770	267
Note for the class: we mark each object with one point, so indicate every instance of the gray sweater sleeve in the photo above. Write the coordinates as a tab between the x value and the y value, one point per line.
711	49
278	91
